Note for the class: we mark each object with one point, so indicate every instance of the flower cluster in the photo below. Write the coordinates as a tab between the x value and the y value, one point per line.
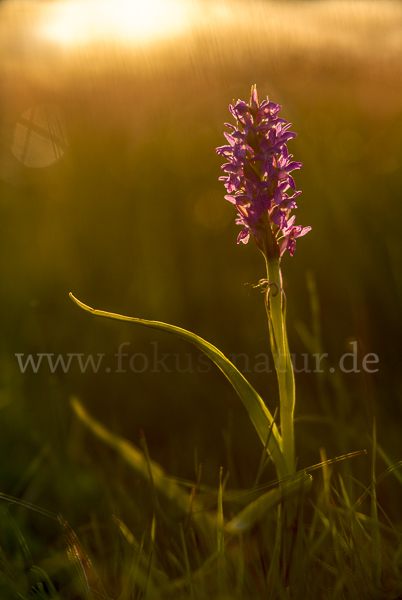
258	176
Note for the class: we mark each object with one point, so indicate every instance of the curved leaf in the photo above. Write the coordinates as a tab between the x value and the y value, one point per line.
258	412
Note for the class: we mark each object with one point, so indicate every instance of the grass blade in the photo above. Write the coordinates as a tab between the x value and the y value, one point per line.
376	547
146	467
247	517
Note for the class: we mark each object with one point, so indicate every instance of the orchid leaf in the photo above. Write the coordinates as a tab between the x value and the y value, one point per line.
258	412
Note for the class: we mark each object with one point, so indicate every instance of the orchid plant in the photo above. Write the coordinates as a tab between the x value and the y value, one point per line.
258	181
259	184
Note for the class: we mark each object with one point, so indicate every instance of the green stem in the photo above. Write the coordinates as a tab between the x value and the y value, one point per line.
276	311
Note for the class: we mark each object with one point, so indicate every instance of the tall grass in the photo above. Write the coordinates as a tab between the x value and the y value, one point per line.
170	538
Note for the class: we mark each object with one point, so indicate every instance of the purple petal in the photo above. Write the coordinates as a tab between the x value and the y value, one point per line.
243	236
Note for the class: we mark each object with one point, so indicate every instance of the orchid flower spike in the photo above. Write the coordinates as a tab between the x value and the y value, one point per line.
257	176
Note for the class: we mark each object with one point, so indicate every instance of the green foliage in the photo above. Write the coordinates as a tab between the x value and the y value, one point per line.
326	550
257	410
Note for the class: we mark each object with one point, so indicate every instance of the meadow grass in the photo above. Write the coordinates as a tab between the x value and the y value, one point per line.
154	535
169	538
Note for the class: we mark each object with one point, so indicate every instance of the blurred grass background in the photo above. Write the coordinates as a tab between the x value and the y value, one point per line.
132	219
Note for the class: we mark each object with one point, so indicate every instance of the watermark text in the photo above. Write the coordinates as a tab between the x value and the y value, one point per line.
154	361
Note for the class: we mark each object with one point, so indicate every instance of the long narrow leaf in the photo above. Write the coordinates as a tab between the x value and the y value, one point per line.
164	485
247	517
258	412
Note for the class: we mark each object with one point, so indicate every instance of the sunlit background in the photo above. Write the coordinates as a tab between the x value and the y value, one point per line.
110	112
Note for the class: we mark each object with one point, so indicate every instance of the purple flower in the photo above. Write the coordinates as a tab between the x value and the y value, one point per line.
257	176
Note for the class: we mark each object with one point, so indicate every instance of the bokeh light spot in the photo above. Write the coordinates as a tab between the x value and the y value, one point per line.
212	211
40	136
